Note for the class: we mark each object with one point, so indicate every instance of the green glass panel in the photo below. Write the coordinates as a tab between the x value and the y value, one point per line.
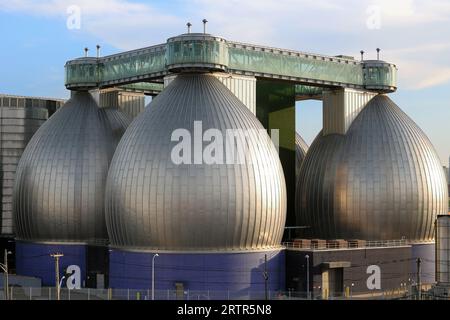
197	51
294	66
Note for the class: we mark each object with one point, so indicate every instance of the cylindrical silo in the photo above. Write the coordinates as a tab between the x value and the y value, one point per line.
211	222
18	124
443	250
59	188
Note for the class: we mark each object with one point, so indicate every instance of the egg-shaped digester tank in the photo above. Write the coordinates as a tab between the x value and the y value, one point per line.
301	148
200	215
60	184
382	180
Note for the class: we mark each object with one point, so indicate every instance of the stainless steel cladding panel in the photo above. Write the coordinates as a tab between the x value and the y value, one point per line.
443	250
300	152
382	180
59	189
18	124
153	203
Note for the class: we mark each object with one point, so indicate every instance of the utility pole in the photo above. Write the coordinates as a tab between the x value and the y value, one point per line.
4	267
266	278
56	256
419	281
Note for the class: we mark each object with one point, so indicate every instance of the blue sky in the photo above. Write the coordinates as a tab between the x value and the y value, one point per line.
415	35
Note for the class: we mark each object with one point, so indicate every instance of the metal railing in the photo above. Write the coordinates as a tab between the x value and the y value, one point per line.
49	293
344	244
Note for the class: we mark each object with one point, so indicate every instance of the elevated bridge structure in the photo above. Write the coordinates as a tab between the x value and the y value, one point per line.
143	70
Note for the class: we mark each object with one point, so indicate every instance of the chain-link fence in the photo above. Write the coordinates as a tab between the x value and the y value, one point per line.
51	293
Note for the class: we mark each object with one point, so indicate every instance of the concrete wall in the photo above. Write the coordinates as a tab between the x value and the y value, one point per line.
426	252
394	264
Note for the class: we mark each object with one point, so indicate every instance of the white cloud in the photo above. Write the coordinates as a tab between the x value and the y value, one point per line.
121	23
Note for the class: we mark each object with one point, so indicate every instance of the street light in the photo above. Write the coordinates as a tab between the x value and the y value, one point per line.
351	290
4	267
307	276
60	285
153	275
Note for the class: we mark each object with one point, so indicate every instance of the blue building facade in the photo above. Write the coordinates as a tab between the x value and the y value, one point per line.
222	274
34	260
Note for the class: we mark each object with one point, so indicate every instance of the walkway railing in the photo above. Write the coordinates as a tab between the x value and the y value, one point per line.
341	244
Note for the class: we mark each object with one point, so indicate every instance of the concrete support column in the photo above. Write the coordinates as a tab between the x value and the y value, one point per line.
341	107
243	87
130	103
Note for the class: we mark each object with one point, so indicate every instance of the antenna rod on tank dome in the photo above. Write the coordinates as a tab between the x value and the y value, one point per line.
362	55
378	53
204	25
189	25
86	51
98	51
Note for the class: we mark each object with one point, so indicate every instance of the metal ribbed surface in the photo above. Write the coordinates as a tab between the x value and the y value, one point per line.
59	189
153	203
443	250
382	180
18	124
300	152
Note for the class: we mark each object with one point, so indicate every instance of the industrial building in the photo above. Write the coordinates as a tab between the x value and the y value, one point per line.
106	195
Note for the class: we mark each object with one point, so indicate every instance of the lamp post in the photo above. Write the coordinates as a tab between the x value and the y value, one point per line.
4	267
153	275
409	286
56	256
266	278
307	276
351	290
419	281
60	285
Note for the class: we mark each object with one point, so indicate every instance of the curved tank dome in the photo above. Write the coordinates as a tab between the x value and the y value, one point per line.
61	177
381	181
153	203
300	152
